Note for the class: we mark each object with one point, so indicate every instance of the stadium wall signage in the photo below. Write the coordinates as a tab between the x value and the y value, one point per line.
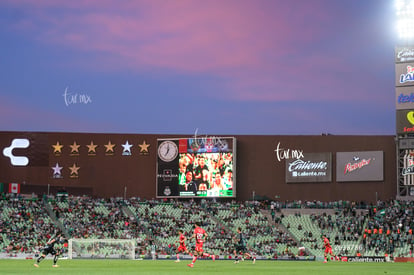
366	259
407	170
312	167
258	164
405	121
360	166
284	153
27	149
404	98
404	74
404	54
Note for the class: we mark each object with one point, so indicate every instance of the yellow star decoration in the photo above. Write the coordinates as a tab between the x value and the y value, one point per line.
144	147
74	169
109	147
74	147
92	147
57	148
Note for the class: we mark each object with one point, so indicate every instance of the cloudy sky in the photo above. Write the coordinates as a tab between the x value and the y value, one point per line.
240	67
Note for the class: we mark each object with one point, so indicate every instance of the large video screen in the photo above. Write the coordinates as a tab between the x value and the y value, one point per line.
196	167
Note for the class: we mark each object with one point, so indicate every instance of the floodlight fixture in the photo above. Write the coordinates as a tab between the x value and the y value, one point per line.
405	18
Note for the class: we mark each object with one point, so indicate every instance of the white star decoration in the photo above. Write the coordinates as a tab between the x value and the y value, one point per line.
127	148
56	169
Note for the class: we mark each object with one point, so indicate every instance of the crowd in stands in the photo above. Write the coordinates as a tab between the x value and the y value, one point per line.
383	228
389	228
24	225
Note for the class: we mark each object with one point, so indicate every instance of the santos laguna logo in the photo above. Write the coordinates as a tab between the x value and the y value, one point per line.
17	143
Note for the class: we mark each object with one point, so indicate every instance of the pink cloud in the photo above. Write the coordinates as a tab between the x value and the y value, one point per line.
252	45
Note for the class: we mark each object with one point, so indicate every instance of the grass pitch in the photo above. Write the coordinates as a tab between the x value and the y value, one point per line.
101	267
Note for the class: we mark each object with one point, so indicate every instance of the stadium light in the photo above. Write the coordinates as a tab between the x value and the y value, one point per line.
405	18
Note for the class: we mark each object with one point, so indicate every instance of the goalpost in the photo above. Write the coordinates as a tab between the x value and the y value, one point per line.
101	249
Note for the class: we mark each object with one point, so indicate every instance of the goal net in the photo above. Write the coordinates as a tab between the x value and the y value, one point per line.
101	249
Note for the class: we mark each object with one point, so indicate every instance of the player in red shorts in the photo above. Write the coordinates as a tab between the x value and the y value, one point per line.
328	249
181	247
199	235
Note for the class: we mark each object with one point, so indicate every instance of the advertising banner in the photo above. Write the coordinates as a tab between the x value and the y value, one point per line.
404	98
24	150
360	166
404	74
405	121
365	259
404	54
407	171
312	167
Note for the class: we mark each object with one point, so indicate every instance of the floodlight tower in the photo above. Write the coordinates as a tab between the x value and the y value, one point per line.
404	87
405	19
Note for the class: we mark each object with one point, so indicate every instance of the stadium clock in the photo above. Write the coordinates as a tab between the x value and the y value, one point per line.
167	151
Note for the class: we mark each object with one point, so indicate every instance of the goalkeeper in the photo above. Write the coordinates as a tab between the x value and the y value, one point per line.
49	248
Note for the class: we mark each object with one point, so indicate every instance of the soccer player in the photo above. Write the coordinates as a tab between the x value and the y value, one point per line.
328	249
199	235
181	247
153	250
50	249
240	248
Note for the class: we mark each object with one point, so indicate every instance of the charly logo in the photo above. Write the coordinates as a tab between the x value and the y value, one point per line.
75	98
17	143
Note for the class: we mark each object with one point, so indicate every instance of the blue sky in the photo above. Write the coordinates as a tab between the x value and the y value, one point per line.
255	67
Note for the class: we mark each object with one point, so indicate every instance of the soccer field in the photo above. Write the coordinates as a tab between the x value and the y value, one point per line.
101	267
